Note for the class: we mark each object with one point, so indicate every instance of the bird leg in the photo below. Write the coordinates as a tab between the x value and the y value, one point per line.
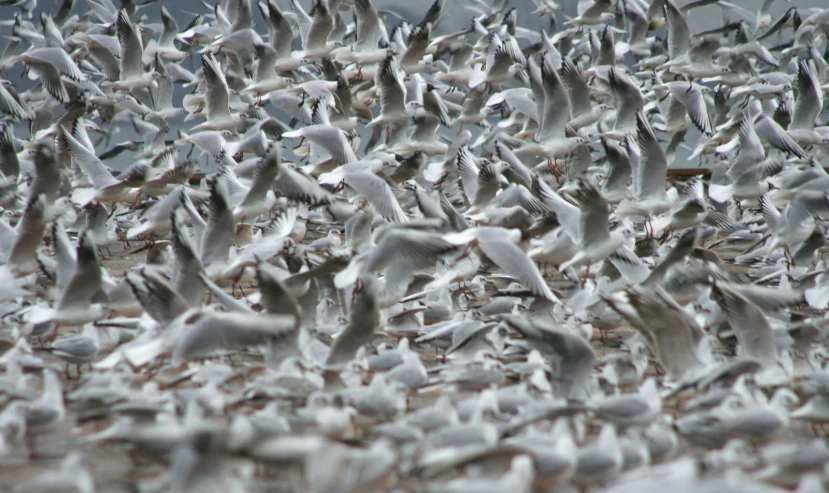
31	442
54	334
586	275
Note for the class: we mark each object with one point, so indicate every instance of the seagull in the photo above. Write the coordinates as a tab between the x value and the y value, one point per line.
595	240
132	75
551	140
807	107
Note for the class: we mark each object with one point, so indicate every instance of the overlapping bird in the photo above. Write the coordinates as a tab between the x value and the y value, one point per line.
349	249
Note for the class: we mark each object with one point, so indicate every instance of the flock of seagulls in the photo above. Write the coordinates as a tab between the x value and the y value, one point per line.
348	251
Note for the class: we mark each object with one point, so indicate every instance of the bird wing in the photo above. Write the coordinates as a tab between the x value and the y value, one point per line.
375	190
754	334
132	51
391	88
809	101
321	26
211	332
653	167
89	163
556	104
595	214
217	93
496	245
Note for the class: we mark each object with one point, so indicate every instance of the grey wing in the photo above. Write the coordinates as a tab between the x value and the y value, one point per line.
86	280
64	256
369	27
722	222
575	358
346	345
629	99
264	176
468	173
637	23
415	249
425	127
163	94
568	214
556	104
296	185
771	132
697	109
275	297
754	334
76	346
221	226
653	167
767	298
432	16
168	35
60	61
618	176
771	215
30	231
417	43
809	98
132	50
579	91
217	92
473	101
9	163
501	59
488	184
434	104
230	332
520	196
292	105
160	300
495	244
673	340
751	148
282	225
679	34
391	88
228	302
11	104
321	26
50	78
595	214
378	193
332	140
187	265
282	34
456	220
